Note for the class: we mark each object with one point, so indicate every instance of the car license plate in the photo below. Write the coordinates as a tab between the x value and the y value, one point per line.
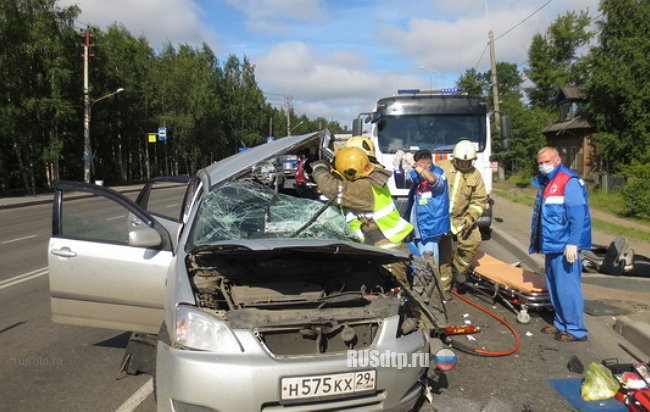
303	387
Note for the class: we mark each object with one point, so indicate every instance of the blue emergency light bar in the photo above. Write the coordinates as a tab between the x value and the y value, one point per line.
449	90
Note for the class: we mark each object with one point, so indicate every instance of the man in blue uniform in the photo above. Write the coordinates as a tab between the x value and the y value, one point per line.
427	207
560	229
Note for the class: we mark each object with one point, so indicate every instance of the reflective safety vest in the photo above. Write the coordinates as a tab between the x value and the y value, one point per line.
385	215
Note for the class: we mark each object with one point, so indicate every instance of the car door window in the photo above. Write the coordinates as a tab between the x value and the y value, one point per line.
163	196
96	218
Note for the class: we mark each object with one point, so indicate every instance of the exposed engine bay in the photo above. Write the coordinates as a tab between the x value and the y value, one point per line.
300	302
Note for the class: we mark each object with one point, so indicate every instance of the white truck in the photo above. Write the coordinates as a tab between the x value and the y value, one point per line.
431	120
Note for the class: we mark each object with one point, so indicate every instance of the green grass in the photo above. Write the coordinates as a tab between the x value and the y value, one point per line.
610	203
618	230
514	196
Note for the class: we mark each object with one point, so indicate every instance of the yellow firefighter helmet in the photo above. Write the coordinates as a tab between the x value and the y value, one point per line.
352	163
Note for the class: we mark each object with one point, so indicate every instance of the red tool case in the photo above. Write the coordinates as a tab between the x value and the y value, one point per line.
639	401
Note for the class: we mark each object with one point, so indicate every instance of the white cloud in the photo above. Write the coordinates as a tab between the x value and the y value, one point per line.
336	86
160	21
272	16
457	41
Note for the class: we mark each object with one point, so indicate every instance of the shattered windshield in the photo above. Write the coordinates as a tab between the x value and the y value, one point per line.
245	209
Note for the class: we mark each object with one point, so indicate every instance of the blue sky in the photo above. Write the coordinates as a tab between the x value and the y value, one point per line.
335	58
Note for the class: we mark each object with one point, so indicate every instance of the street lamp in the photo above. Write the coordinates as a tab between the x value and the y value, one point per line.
88	104
294	127
428	69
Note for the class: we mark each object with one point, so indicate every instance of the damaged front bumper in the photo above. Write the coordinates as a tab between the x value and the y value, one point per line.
251	380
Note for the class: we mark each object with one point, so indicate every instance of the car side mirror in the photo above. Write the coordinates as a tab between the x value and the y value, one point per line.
144	237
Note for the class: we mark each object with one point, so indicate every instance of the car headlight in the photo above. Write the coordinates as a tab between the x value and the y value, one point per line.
196	329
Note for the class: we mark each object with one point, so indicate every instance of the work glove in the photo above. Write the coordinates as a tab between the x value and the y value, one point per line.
408	158
571	253
399	155
321	165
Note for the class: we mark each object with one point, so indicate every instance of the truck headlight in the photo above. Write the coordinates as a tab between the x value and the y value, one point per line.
196	329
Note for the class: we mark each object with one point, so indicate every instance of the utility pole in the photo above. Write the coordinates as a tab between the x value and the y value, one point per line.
493	80
501	174
87	149
287	105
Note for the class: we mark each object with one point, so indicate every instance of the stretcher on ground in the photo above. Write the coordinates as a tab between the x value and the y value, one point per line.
519	289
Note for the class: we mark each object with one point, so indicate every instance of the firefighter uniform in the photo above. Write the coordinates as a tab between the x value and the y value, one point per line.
370	210
467	201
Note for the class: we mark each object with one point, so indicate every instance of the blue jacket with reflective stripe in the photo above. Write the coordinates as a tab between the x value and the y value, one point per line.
550	223
431	205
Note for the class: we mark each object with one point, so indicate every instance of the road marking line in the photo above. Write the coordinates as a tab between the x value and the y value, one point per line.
17	239
115	218
172	205
23	278
136	399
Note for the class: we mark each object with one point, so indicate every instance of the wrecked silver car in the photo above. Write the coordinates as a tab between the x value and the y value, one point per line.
258	299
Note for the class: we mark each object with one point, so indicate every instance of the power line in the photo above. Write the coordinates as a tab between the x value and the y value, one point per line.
594	18
531	15
274	94
482	54
509	30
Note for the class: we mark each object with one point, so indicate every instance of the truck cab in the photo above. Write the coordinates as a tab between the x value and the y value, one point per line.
432	120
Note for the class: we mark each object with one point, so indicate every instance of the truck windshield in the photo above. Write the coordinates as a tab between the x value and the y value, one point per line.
433	132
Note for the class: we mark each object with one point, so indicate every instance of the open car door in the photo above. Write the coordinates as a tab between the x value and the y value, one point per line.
108	260
167	199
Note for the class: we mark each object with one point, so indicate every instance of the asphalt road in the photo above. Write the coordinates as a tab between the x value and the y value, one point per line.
45	366
517	382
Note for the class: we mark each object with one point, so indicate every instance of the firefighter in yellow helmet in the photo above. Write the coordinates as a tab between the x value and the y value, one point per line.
361	189
467	201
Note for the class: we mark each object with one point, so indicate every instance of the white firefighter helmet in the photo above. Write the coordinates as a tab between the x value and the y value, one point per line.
464	150
362	142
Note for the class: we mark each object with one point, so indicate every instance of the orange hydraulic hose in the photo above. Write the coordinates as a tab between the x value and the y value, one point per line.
482	352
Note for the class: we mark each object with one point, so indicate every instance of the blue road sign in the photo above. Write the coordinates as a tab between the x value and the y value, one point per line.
162	134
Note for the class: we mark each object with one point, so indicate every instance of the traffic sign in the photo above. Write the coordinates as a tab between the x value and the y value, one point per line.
162	134
151	137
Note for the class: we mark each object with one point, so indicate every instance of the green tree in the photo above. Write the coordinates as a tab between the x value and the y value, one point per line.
618	87
480	84
245	119
120	124
553	58
210	110
472	82
36	78
525	138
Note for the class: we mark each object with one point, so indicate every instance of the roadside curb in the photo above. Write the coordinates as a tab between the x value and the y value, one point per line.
26	202
11	203
635	328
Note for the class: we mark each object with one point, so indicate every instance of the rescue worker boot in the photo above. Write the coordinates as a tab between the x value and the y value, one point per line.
460	281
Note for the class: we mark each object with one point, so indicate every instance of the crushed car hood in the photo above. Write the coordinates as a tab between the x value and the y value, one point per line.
318	246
